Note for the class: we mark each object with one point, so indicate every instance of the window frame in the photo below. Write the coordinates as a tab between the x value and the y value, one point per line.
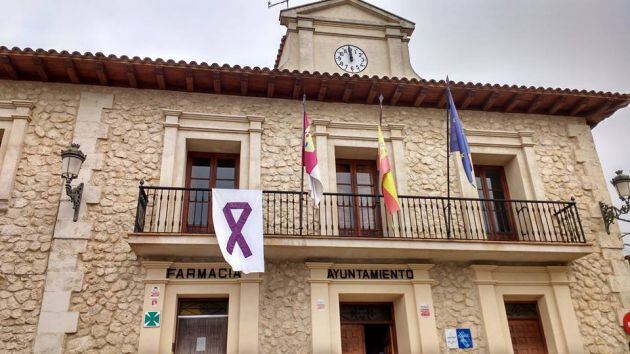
357	230
214	157
15	117
492	231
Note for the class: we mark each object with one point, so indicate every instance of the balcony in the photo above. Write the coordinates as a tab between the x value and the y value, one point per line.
177	222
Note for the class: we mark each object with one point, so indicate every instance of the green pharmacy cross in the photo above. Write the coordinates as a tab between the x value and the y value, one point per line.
152	319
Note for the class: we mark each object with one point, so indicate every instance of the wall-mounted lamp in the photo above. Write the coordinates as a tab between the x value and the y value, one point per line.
621	182
71	161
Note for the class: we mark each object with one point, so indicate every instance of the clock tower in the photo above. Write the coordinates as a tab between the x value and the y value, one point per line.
345	36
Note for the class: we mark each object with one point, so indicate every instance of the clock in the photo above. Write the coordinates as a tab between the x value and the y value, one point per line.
351	58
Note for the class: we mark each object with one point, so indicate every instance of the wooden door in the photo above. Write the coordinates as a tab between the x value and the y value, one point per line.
367	328
352	339
525	328
497	213
359	208
202	326
204	335
391	340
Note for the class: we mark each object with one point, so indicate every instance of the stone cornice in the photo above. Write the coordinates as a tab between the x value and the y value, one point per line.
357	126
176	119
21	109
155	264
16	103
213	116
486	275
499	133
517	139
318	265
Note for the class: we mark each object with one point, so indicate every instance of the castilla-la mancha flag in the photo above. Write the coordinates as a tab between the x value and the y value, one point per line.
385	175
238	223
309	161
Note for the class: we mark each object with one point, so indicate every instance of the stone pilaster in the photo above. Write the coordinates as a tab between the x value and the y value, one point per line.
611	245
70	238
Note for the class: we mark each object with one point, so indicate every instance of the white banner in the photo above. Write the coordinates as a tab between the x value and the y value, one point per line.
238	224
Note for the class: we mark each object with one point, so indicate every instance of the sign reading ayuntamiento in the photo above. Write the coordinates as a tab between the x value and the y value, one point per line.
380	274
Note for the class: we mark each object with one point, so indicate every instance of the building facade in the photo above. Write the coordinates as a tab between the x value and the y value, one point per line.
525	265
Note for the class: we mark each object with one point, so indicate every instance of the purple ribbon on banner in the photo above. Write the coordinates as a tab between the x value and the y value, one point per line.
237	226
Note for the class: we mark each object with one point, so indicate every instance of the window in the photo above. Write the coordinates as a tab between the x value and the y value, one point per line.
204	172
15	116
525	328
358	203
497	214
367	328
202	326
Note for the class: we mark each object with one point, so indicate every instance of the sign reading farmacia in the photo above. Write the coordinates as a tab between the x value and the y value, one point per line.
202	273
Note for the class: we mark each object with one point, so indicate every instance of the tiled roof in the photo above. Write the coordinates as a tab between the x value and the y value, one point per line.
283	41
147	73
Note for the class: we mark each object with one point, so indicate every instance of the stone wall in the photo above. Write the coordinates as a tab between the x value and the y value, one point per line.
111	298
26	228
456	303
285	314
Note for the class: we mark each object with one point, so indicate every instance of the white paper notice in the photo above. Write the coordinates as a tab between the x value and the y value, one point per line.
320	305
451	338
201	344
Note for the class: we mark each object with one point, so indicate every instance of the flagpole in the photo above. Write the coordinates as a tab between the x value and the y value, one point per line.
302	163
380	118
380	125
448	163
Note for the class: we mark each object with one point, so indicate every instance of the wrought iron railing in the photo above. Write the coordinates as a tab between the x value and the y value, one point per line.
188	210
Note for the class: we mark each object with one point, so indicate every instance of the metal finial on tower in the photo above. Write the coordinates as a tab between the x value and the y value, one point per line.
270	5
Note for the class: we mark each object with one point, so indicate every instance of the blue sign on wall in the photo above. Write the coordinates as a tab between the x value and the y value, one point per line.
464	338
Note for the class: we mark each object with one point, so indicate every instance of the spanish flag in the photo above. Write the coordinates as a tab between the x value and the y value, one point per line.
385	175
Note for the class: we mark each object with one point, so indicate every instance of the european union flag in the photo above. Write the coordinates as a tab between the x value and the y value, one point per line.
458	141
464	338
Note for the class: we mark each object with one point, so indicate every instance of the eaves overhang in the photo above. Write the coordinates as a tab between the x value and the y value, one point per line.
135	72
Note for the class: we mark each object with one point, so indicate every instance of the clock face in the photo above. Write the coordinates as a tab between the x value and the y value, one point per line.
351	58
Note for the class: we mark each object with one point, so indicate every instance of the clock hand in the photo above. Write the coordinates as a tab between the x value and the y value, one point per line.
350	51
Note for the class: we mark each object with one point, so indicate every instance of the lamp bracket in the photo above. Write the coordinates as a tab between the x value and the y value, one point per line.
75	195
610	213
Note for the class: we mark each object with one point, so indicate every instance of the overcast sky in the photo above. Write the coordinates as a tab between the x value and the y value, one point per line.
581	44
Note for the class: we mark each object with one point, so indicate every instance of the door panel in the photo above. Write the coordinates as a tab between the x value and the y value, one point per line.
526	336
202	326
525	329
497	214
367	328
352	339
202	335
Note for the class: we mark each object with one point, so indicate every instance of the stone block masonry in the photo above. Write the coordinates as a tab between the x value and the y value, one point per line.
26	227
88	275
64	274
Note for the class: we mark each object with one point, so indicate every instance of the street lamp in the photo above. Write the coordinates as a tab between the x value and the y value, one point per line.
71	161
621	182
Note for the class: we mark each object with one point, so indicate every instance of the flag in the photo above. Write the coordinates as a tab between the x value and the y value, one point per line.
309	161
238	225
458	141
385	175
